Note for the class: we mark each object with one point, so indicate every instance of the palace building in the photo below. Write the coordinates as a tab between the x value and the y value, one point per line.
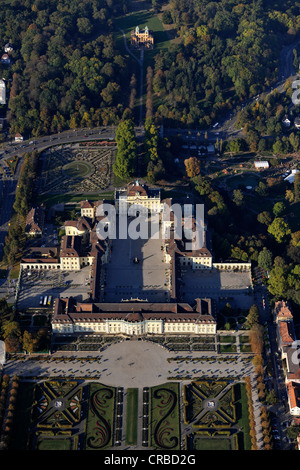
81	246
81	241
137	194
142	38
130	318
89	208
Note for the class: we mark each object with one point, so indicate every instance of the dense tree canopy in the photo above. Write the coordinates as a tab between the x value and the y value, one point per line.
65	69
228	51
125	162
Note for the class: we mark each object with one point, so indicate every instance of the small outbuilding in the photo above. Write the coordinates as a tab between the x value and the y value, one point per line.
261	165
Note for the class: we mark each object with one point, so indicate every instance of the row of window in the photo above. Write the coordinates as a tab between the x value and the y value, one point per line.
139	330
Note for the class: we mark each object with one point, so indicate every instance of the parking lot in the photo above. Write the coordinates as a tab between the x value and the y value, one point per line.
217	284
54	283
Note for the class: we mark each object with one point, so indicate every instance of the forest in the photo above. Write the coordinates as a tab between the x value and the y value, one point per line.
65	71
228	51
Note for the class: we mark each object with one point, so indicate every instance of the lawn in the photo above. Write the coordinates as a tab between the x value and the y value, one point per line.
55	444
242	416
77	169
12	163
142	18
227	339
226	348
212	443
131	416
50	200
245	179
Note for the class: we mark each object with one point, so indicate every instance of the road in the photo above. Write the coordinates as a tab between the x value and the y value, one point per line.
276	381
8	192
140	61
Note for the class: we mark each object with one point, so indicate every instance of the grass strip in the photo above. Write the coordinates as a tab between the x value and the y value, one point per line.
131	416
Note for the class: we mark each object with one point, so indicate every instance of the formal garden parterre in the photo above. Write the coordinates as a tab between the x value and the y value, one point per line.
77	168
218	413
62	414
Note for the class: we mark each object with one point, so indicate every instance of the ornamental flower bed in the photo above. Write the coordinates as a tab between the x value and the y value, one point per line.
100	419
164	417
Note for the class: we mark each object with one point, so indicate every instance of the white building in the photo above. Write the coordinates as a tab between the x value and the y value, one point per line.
291	177
261	165
133	319
19	138
139	195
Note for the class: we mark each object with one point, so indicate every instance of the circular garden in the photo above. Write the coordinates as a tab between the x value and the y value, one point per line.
77	169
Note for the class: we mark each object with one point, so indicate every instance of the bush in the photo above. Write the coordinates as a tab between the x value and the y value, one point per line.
167	17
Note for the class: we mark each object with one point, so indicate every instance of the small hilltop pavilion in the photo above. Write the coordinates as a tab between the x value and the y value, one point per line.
142	39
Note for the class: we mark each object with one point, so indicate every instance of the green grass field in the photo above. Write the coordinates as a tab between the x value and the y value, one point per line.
55	444
212	443
243	415
22	415
77	169
142	19
131	416
50	200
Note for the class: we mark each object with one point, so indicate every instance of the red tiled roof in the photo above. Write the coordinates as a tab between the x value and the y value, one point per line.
293	393
283	311
132	189
71	311
70	246
35	220
286	332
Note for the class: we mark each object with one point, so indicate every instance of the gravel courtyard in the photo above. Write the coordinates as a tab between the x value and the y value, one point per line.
146	279
134	364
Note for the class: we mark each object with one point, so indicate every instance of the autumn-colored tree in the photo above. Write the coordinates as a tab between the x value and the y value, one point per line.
192	167
252	317
257	338
266	439
149	97
12	344
265	424
132	96
29	342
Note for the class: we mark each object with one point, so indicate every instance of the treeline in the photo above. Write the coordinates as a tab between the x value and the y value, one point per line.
18	340
268	238
15	239
228	51
265	118
150	163
65	70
